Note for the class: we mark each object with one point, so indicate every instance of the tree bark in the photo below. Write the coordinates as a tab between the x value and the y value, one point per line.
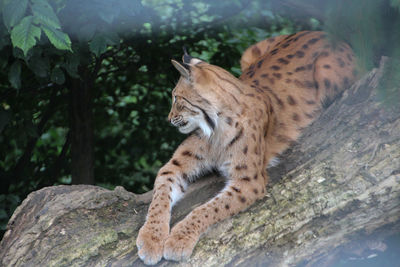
336	189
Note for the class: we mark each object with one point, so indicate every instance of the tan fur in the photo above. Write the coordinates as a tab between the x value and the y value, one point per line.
243	124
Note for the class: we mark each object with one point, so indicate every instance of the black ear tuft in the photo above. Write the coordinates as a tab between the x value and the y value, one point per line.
186	57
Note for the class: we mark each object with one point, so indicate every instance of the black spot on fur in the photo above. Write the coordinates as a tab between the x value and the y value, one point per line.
237	137
291	100
176	163
349	57
313	41
273	52
299	54
340	62
283	61
246	179
237	190
327	83
182	189
241	167
301	68
187	153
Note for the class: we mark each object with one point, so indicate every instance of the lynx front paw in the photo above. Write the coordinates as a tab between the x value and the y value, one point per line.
179	246
150	243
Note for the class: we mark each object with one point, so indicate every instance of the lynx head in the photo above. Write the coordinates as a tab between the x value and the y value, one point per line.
195	100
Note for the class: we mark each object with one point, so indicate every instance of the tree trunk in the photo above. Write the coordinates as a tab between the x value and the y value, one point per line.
337	191
81	124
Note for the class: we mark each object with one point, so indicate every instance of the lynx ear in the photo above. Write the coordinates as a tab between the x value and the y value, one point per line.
183	68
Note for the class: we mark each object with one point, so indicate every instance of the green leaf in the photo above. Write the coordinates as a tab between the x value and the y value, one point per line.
13	12
57	76
14	75
59	39
44	14
24	35
98	45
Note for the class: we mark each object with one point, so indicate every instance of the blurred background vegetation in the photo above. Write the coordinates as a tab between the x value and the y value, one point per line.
85	85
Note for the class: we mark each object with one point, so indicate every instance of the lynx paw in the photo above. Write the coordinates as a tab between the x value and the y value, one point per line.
179	246
150	244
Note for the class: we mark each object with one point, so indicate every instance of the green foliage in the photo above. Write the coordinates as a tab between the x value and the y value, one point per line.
25	34
44	14
13	12
57	38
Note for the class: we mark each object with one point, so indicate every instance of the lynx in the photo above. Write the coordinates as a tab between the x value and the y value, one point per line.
239	126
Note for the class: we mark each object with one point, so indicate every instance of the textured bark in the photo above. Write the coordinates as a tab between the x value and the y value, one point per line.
338	184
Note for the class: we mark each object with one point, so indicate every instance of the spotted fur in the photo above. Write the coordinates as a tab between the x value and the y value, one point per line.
239	126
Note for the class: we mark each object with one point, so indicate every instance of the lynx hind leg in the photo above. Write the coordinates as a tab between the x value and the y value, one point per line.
257	50
335	71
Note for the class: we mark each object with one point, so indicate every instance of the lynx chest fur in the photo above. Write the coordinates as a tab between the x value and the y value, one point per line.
239	126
